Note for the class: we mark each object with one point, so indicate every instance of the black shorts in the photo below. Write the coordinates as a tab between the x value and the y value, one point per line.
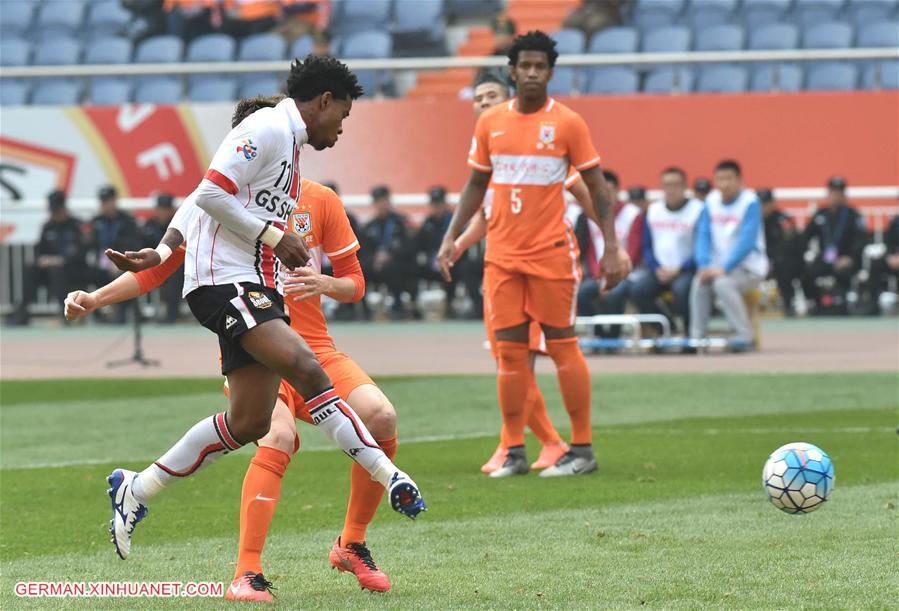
230	310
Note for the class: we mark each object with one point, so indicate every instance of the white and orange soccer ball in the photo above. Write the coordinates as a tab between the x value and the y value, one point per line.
798	477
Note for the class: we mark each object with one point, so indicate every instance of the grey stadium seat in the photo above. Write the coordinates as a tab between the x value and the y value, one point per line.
667	39
57	52
108	91
721	38
783	77
885	34
107	18
59	17
13	92
158	90
570	41
419	28
361	15
302	47
56	93
262	47
564	81
14	52
810	12
211	48
774	36
862	12
723	79
669	80
221	89
111	50
881	75
831	35
613	80
755	13
617	39
653	14
159	49
832	76
15	18
266	84
368	45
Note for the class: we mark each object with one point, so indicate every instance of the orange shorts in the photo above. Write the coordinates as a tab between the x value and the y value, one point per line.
345	374
544	291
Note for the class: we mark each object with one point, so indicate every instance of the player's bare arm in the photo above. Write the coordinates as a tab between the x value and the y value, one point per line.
304	283
469	203
79	304
135	261
613	264
474	233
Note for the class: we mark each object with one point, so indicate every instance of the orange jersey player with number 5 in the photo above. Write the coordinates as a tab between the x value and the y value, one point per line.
531	272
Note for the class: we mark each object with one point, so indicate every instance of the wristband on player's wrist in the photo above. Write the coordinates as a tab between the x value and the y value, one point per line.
271	235
164	252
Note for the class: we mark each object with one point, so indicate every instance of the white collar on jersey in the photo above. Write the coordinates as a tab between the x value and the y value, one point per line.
297	125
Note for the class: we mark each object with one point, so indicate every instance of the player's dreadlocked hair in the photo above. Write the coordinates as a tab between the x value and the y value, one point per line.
535	40
317	74
248	106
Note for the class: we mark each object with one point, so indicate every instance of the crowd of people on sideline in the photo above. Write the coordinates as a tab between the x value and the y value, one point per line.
691	248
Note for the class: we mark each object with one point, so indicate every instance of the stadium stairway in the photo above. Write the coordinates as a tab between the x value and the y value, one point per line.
546	15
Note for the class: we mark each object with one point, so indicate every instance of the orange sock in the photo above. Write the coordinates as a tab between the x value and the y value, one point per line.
537	418
574	382
258	499
512	388
365	496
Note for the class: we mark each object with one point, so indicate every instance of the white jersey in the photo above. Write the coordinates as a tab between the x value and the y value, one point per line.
672	231
257	163
725	221
624	220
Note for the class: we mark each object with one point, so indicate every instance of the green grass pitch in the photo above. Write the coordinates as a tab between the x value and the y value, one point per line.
676	517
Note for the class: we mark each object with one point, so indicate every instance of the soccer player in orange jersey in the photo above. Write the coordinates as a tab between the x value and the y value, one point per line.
322	221
531	272
490	90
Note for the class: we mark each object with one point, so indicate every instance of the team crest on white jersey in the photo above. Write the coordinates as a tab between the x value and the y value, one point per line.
259	300
302	223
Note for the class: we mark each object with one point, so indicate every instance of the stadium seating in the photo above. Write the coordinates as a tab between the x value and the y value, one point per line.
654	14
773	77
109	92
811	12
221	89
111	50
263	47
361	15
832	76
368	45
158	90
862	12
303	46
668	39
266	84
107	18
211	48
709	14
57	52
14	52
15	18
669	80
613	80
723	79
881	75
418	28
13	92
564	81
774	36
472	8
721	38
58	18
830	35
570	41
615	40
883	34
159	49
56	92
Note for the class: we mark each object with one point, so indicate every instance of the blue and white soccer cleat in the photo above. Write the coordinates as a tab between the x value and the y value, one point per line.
126	510
404	496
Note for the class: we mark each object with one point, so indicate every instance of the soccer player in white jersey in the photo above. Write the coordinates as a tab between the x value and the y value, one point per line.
234	250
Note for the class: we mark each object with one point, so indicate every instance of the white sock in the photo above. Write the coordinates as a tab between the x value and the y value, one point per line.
337	419
207	441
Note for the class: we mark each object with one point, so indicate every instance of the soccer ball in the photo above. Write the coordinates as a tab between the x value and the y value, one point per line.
798	477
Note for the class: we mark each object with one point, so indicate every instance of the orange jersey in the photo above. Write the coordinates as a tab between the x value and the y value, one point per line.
529	157
321	219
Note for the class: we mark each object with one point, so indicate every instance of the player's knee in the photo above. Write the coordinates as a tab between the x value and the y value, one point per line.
307	374
382	420
250	427
280	437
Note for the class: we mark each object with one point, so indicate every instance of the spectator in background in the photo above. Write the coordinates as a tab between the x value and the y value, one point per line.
668	244
839	232
384	259
113	229
503	34
321	42
150	235
701	188
637	196
730	255
784	253
888	265
427	243
247	17
59	259
595	15
347	311
189	19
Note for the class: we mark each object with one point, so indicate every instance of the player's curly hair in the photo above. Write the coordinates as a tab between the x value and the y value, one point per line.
535	40
317	74
248	106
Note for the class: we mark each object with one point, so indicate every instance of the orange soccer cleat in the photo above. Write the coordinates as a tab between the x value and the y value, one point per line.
549	455
356	559
251	587
496	461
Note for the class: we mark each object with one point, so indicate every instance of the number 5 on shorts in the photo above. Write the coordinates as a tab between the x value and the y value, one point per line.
516	200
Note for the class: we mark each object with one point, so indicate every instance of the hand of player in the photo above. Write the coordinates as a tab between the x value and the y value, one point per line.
303	283
131	261
616	265
709	274
292	251
79	304
446	256
458	251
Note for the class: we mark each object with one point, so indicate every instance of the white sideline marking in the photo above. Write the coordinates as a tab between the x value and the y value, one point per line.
854	430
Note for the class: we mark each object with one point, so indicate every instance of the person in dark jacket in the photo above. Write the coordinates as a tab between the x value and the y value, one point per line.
427	243
783	247
150	235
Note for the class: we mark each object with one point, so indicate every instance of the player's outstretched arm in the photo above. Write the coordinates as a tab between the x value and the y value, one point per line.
131	261
347	285
79	304
474	233
613	264
469	202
